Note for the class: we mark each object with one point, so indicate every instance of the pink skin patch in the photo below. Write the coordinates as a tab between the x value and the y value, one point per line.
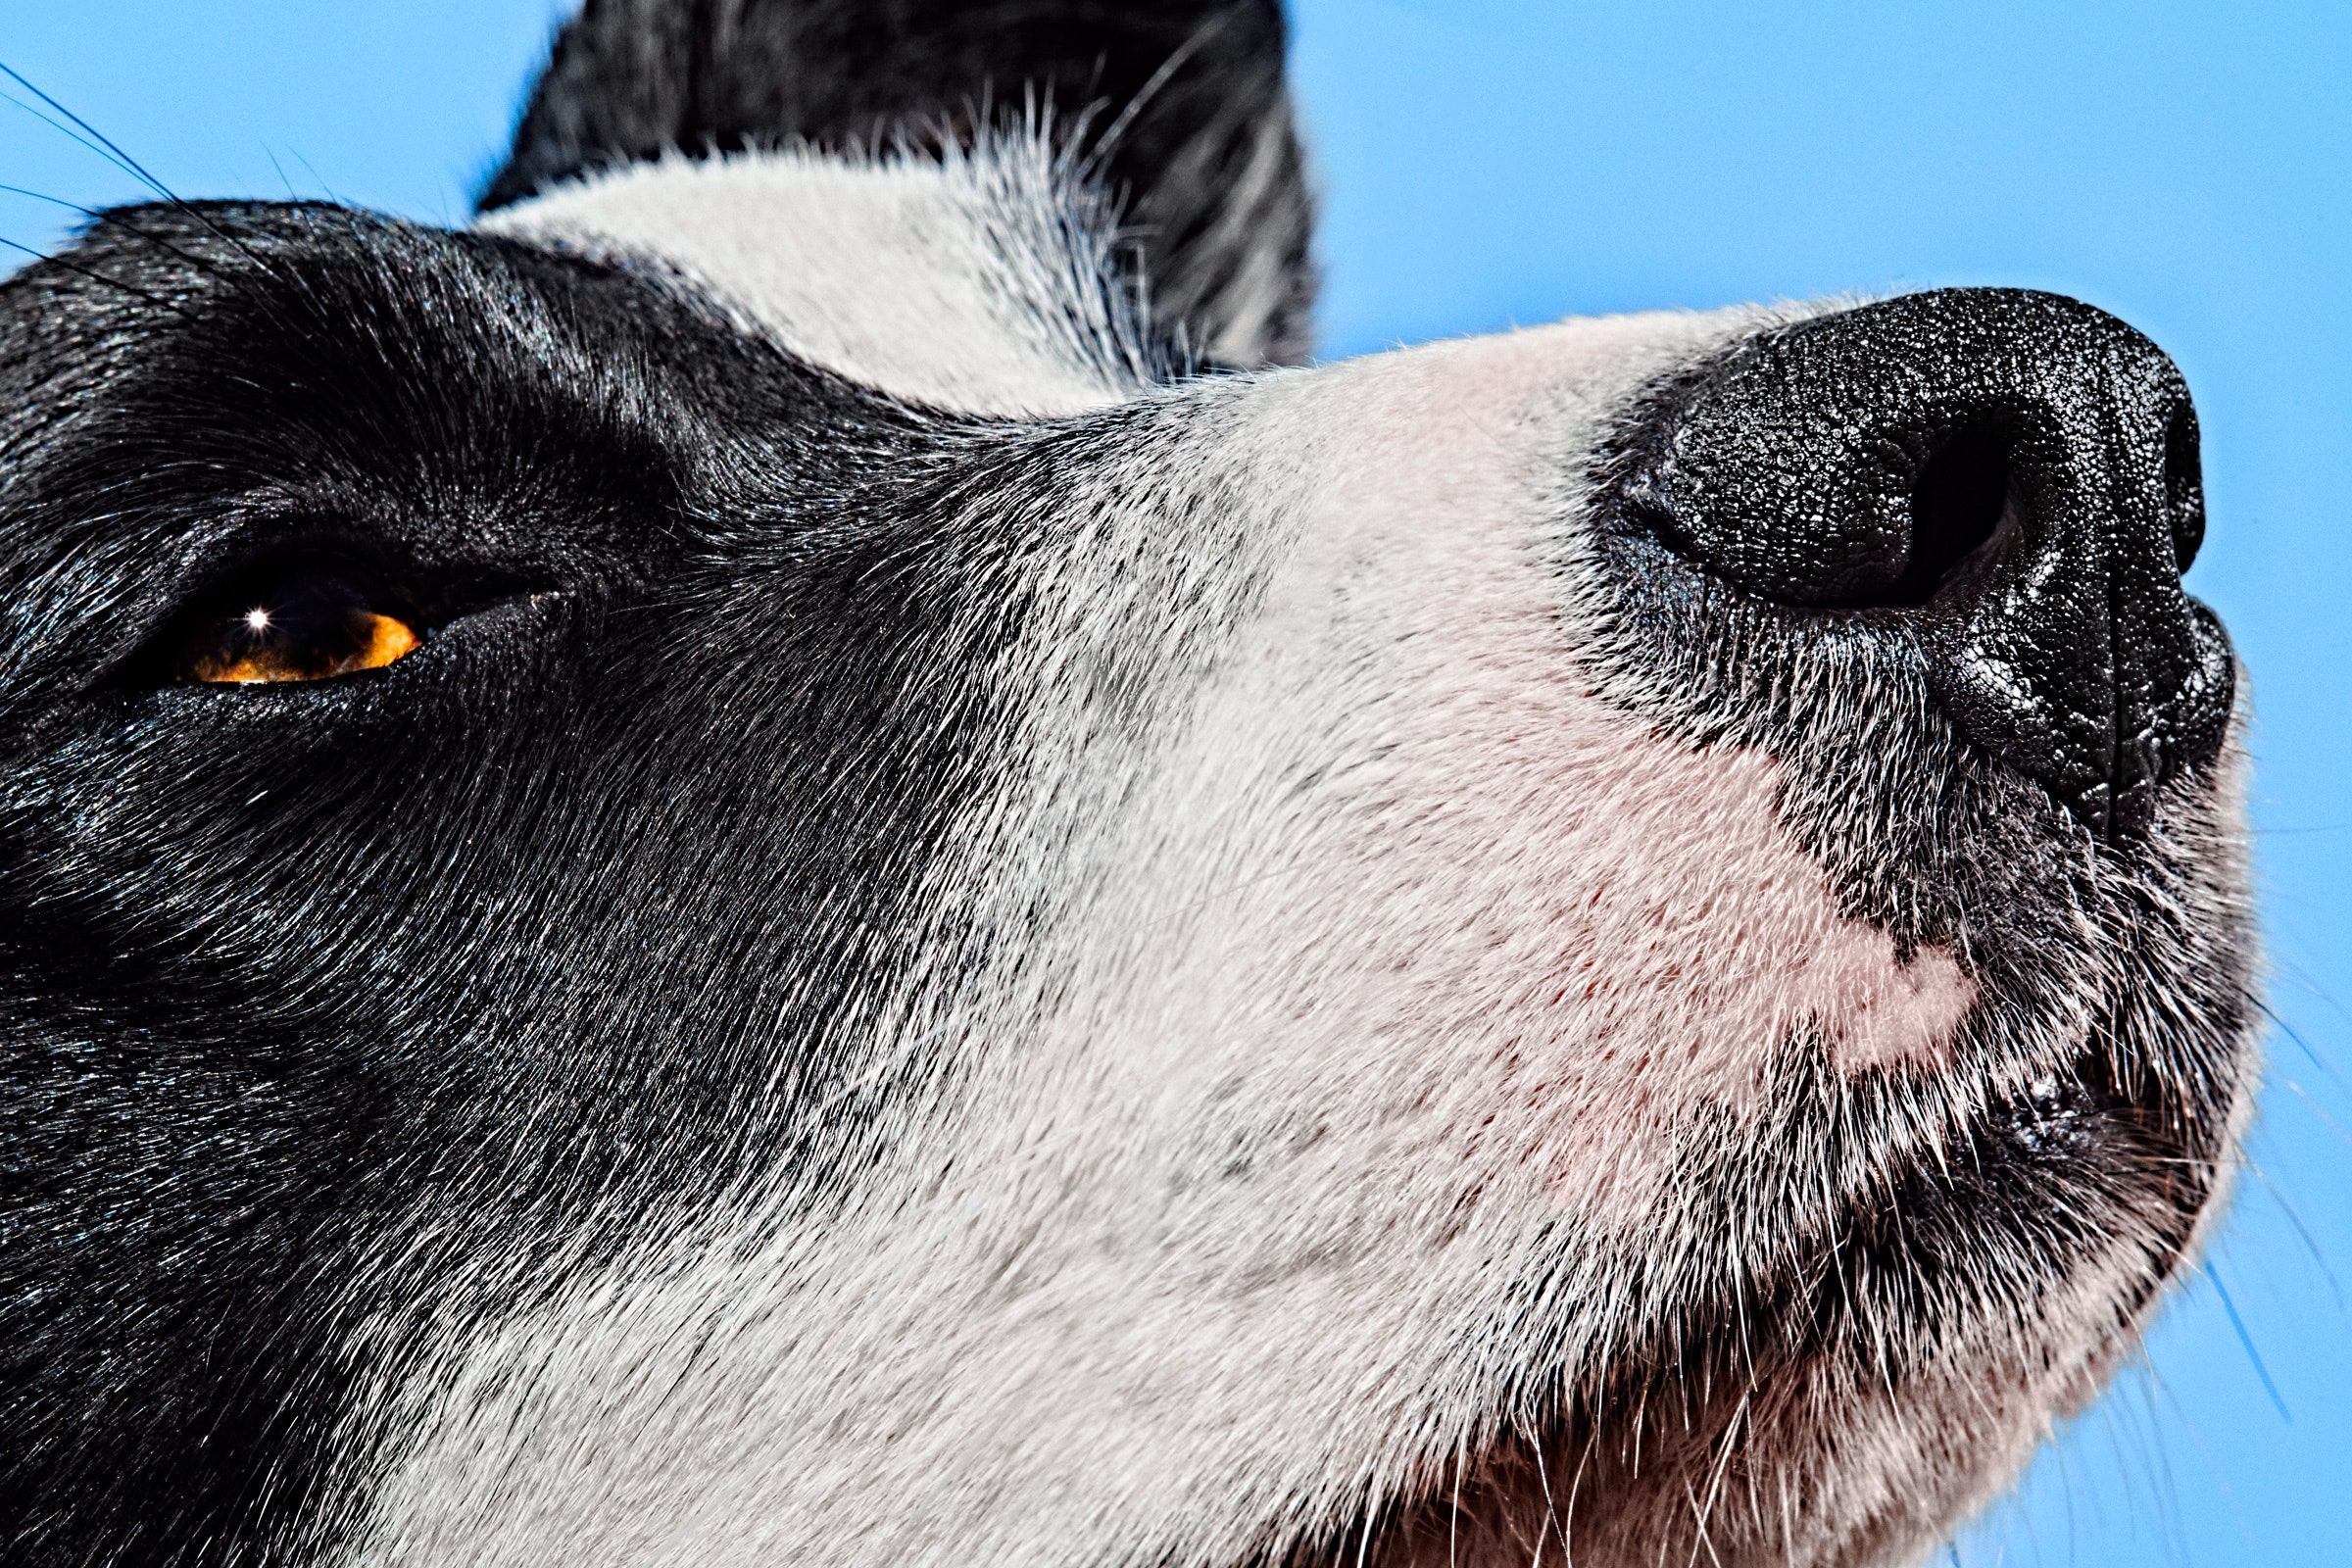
1383	947
1613	932
1708	936
1691	943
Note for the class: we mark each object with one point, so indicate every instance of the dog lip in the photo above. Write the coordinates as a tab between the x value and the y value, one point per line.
2055	1121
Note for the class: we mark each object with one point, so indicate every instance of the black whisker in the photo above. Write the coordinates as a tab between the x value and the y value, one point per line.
106	146
2283	1027
97	276
282	178
333	195
97	140
96	215
68	133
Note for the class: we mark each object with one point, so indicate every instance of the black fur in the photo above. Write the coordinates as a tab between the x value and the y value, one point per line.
303	979
328	1004
1184	114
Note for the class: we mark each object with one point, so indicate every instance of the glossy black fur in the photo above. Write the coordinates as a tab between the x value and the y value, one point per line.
1184	114
286	972
299	976
327	1003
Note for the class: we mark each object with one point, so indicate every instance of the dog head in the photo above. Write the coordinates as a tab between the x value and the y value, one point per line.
782	859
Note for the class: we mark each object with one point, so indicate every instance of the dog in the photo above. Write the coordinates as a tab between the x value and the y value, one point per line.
797	854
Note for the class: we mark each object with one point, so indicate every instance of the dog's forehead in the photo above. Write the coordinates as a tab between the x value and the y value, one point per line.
188	388
982	283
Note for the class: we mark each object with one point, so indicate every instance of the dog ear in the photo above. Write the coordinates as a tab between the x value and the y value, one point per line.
1184	113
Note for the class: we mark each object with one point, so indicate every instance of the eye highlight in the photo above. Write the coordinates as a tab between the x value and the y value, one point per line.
297	624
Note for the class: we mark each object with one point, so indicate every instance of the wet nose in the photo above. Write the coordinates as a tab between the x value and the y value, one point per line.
2012	478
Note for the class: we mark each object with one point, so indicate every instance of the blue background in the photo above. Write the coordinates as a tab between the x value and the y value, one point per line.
1486	162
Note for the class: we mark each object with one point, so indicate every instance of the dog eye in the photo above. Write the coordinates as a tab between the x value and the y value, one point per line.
304	623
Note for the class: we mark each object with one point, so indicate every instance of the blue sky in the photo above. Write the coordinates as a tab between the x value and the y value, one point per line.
1486	162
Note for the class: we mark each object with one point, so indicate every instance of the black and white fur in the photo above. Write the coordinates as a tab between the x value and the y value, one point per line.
991	930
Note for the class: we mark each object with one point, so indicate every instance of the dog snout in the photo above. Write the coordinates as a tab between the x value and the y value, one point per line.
2010	478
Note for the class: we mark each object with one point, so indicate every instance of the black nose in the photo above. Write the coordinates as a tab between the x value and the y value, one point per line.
2013	478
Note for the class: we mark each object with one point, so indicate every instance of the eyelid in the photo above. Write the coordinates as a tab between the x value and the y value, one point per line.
294	619
360	639
419	600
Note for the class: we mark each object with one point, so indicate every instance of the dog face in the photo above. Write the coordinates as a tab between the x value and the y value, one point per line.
778	861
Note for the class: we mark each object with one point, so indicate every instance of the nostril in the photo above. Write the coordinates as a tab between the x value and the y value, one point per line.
1957	503
2184	485
2004	484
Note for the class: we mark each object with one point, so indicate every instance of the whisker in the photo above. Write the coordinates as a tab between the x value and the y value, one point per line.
99	217
105	146
282	177
66	131
90	138
97	277
311	169
2311	1242
2246	1340
2283	1027
2316	1109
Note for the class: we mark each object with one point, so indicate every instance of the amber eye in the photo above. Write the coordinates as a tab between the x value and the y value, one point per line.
310	623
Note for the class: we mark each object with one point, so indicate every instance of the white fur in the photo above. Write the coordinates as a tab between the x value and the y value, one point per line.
1383	979
981	284
1232	1219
